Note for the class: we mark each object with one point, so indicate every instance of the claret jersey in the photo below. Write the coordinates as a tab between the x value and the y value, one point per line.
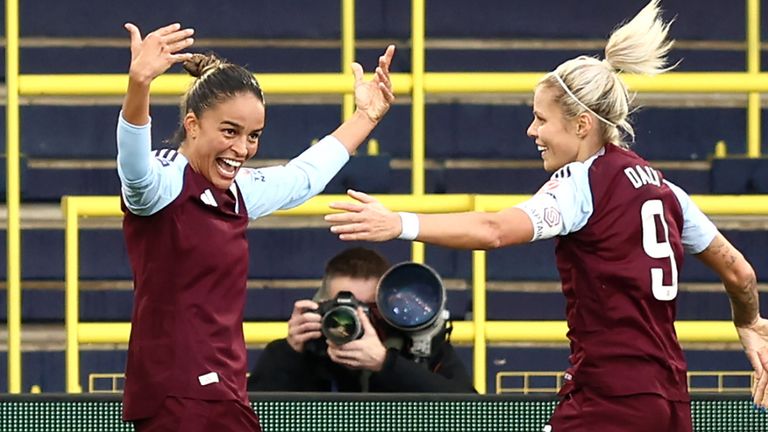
622	231
189	254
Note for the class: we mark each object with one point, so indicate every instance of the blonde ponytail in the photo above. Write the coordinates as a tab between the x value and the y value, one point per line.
640	46
590	85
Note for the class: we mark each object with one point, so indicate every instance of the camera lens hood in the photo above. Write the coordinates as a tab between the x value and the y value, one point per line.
410	296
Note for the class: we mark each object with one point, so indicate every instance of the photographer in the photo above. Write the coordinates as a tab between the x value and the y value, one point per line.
305	361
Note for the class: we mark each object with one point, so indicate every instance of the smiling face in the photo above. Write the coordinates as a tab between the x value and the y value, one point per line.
555	136
223	137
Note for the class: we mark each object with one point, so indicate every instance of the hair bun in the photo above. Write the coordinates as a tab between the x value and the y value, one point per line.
607	63
201	63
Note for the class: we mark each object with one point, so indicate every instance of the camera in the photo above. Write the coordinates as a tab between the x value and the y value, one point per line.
410	302
340	323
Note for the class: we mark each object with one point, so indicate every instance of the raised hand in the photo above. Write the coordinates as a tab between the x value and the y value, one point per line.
366	220
158	51
365	353
375	96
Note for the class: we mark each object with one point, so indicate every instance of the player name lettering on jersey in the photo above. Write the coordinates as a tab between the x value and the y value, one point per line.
642	175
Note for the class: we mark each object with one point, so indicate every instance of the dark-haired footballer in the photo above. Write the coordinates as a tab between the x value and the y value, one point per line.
186	212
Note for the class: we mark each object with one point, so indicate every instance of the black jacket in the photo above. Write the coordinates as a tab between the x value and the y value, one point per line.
280	368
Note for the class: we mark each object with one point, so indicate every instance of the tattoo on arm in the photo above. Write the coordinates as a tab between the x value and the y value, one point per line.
743	293
744	303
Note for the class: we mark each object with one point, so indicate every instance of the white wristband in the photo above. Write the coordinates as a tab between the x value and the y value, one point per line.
410	223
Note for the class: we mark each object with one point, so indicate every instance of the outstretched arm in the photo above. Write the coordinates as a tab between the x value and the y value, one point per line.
150	58
741	285
372	99
369	220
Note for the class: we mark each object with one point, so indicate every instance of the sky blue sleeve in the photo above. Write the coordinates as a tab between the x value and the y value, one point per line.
698	230
563	205
148	183
570	187
280	187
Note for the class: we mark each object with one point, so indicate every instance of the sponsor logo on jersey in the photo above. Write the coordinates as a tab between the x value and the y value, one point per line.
552	216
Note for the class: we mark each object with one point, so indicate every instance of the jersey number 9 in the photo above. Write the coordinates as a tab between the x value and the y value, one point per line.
651	210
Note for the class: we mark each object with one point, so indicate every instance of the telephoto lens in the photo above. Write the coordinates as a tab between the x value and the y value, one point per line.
410	296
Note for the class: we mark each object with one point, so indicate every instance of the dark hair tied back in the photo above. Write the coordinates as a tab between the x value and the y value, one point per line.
201	63
216	81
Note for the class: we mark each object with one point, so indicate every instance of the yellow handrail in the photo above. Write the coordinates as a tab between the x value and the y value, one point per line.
347	53
176	84
670	82
463	332
433	82
556	378
13	194
418	109
528	385
753	69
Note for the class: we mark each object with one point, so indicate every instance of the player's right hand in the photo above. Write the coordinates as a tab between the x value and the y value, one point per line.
303	325
158	51
366	220
754	338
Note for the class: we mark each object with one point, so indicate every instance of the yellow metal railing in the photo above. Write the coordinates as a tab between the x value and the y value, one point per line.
527	382
478	331
522	382
113	379
722	380
13	194
418	83
753	69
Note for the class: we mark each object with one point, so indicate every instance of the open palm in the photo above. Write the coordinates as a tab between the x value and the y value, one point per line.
375	96
158	51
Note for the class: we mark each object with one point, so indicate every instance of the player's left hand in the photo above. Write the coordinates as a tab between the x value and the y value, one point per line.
365	353
365	220
754	339
374	97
